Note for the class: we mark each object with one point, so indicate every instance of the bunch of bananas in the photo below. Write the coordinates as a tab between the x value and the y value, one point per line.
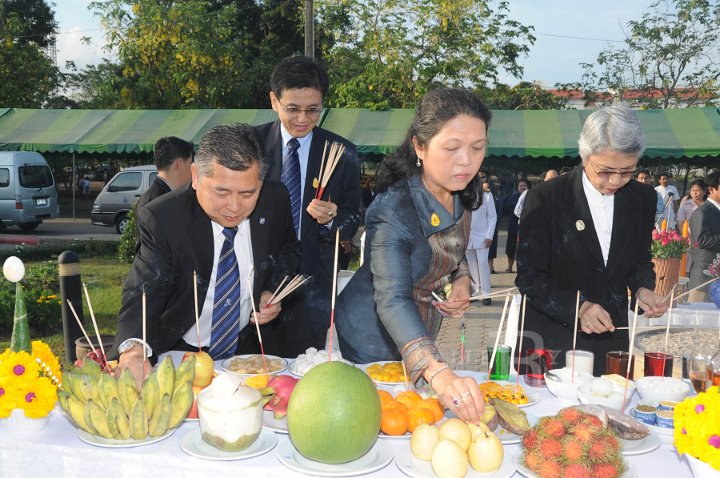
104	406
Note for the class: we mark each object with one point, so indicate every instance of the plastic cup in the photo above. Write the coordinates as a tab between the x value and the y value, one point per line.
584	360
658	364
501	366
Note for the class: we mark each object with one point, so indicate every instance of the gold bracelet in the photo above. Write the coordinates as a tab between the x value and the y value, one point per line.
432	375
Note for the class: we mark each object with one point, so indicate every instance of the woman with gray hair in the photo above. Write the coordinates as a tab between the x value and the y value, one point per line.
589	231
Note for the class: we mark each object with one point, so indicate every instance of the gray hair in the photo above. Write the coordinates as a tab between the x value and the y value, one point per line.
233	146
616	128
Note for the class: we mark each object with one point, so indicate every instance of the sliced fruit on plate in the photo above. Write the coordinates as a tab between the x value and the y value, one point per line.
511	418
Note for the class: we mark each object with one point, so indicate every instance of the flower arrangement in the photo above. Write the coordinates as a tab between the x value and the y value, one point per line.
697	427
668	244
713	269
29	381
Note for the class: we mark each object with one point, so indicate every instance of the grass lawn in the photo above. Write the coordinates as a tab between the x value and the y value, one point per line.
104	277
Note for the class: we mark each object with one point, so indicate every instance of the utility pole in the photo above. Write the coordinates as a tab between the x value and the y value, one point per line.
309	30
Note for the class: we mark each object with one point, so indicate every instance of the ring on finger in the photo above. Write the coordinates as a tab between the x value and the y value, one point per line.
465	395
456	402
331	213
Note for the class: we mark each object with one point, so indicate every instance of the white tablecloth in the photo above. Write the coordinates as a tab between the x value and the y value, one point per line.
58	452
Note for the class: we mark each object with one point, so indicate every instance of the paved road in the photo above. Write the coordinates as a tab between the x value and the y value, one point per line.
60	229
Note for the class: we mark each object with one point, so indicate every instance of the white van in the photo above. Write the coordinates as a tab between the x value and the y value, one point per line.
112	205
27	190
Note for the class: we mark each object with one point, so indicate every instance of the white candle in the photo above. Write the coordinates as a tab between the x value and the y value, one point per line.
584	360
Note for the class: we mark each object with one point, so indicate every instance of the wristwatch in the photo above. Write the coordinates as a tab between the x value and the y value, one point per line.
127	344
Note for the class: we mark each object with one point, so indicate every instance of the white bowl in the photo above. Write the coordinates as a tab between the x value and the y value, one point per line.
660	389
566	390
614	400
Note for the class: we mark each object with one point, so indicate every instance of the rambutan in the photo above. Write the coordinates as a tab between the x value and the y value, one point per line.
599	452
573	450
550	448
530	438
551	469
570	415
593	420
584	432
533	460
607	470
553	427
576	470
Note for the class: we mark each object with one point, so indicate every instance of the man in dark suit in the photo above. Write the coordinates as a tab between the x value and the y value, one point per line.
705	234
228	223
589	231
295	147
173	158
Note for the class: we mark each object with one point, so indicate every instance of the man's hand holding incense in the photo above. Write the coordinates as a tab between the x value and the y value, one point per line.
266	312
322	211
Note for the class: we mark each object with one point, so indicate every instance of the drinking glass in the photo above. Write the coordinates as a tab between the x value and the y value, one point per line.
658	364
584	360
501	366
616	362
537	362
699	376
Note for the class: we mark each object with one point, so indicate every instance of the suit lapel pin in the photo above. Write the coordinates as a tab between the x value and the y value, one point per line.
316	183
580	225
261	220
434	220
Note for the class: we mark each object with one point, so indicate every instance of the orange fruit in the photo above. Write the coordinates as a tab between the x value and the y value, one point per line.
419	415
434	405
384	396
393	422
395	405
409	398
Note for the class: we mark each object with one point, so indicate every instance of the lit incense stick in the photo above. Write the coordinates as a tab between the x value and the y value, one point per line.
197	313
691	290
522	332
630	353
667	329
334	292
254	312
497	337
577	319
72	309
94	322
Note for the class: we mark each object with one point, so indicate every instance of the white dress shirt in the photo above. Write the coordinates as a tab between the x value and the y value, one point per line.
243	253
520	204
602	208
664	190
482	223
304	154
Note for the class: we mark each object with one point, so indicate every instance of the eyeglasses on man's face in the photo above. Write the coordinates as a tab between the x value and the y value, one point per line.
293	111
606	173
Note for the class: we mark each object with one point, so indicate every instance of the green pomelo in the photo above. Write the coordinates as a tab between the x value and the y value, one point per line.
334	414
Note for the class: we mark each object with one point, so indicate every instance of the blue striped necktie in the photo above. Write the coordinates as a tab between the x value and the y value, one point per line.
291	179
226	307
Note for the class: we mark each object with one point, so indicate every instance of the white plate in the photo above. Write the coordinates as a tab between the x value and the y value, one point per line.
273	424
659	430
378	457
412	466
193	444
532	395
113	443
226	364
638	447
365	366
630	471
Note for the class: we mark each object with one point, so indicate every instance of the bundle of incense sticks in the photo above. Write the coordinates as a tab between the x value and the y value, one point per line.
283	290
254	313
499	293
328	164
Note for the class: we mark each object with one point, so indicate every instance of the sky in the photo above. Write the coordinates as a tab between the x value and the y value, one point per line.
568	32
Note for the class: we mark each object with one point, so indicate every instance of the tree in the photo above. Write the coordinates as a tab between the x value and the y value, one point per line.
674	50
523	96
395	51
28	76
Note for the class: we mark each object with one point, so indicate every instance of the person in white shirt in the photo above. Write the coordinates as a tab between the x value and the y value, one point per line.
482	228
668	192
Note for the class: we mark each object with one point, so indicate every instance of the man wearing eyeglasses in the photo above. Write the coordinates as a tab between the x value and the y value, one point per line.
295	146
589	231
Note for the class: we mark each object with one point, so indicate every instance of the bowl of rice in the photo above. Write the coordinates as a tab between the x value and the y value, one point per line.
660	389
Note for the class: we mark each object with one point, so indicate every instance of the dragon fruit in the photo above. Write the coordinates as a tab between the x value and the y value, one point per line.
277	394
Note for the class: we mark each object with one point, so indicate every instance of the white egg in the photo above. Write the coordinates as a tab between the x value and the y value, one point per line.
602	387
13	269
